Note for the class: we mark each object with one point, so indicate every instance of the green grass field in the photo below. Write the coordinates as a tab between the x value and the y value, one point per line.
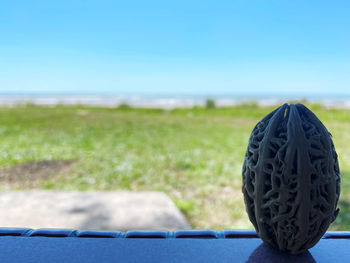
194	155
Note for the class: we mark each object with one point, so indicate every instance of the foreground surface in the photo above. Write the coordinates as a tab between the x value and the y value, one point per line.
193	155
24	245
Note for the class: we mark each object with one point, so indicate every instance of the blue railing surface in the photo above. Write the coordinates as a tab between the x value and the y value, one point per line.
27	232
66	245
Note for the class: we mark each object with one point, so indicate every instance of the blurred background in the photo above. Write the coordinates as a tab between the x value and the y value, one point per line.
158	97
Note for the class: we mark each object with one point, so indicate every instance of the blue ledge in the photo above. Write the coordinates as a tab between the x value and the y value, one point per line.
70	246
201	234
25	232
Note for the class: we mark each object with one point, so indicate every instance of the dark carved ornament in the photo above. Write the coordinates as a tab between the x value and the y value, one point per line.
291	180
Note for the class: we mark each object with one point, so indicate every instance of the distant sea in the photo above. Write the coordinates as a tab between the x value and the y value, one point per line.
167	101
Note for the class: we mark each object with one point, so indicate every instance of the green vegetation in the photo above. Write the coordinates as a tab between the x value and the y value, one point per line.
210	103
194	155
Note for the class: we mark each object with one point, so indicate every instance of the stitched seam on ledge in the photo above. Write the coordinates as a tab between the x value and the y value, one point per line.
182	234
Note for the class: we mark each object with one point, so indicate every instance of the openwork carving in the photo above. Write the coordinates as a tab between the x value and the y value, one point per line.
291	180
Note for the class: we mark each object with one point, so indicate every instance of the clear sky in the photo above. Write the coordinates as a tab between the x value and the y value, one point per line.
169	47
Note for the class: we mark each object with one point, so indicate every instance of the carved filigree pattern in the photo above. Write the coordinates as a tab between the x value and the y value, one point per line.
291	180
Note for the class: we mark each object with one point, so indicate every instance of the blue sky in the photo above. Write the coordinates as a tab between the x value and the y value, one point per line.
175	47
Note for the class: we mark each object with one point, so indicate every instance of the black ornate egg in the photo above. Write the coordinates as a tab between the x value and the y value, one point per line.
291	180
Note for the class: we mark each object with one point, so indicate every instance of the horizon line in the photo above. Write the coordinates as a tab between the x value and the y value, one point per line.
177	94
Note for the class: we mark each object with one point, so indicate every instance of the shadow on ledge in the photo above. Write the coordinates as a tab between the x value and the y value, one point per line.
264	253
